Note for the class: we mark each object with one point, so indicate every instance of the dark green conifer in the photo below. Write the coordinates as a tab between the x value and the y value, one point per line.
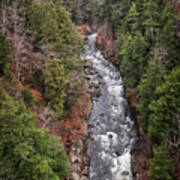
27	152
161	168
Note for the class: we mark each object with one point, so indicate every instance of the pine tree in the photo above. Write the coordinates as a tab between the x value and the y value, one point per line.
133	55
145	91
164	117
52	26
5	57
27	152
167	36
161	168
131	22
28	97
151	18
56	84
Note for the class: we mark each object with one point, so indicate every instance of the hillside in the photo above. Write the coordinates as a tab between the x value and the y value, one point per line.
46	92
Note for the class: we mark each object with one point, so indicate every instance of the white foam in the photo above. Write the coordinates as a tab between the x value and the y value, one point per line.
113	129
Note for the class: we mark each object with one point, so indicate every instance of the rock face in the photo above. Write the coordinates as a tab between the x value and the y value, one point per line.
106	43
74	136
176	5
143	150
141	155
84	30
73	132
105	40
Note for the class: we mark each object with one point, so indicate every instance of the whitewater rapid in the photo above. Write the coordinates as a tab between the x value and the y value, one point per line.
111	128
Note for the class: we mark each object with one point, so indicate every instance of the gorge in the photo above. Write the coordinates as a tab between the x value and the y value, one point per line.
111	127
89	89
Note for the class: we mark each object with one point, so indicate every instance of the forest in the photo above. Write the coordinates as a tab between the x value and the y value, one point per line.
39	52
40	63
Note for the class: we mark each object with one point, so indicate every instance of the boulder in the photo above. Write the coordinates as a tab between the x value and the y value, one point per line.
75	176
84	30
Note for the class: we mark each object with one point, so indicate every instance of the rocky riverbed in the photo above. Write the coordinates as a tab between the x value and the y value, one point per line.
78	158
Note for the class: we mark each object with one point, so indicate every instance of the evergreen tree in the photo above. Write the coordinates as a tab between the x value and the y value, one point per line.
56	84
27	152
28	97
5	57
161	168
146	90
131	22
164	117
167	36
52	26
133	54
151	19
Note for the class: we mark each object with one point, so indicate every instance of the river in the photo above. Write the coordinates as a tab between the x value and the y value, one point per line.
111	128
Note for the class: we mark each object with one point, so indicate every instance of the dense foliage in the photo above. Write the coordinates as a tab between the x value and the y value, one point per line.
162	167
148	57
148	49
45	52
5	57
149	60
83	11
27	152
163	119
52	26
54	40
28	97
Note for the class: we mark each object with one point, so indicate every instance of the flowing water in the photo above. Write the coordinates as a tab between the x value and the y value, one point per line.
111	128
